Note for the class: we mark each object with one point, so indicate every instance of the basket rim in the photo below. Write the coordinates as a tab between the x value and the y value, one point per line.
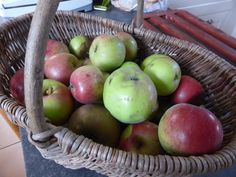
6	102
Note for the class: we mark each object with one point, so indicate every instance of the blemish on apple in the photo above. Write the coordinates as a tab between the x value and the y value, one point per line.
176	76
133	78
110	80
96	48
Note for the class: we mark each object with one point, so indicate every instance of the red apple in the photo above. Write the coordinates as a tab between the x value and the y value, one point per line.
141	138
188	91
94	121
17	86
57	102
60	67
54	47
86	84
187	129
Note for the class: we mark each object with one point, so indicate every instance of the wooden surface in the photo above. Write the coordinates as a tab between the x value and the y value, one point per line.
14	127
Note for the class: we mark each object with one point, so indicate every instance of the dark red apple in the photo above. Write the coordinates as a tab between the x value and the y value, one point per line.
86	84
187	129
17	86
188	91
141	138
54	47
60	67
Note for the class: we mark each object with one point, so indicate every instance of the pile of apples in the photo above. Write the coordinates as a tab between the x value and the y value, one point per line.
95	88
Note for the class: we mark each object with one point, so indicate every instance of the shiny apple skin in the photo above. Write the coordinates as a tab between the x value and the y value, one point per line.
187	129
86	84
188	91
60	66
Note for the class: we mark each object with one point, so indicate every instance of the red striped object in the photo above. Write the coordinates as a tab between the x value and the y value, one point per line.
183	25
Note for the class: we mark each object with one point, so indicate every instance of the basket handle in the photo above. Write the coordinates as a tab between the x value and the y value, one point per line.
139	15
34	60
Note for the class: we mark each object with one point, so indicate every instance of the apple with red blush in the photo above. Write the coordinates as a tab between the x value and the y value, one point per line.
86	84
60	67
186	129
57	102
141	138
189	91
53	47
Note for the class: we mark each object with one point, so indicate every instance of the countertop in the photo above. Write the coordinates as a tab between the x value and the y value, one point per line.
37	166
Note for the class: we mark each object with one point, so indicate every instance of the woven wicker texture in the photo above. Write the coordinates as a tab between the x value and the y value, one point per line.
72	151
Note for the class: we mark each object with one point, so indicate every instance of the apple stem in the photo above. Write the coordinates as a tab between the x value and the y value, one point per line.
176	77
70	87
48	91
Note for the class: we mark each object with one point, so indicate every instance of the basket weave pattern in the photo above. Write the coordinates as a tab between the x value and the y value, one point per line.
72	151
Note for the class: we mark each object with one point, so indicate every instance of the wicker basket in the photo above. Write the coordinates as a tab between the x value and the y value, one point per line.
72	151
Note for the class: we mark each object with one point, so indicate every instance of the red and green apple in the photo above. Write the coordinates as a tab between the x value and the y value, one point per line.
186	129
57	102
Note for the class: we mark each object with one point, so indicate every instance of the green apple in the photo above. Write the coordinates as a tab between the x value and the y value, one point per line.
129	94
164	72
79	45
107	52
131	64
130	45
57	101
94	121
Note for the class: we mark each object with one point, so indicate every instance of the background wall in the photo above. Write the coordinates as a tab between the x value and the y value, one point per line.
220	13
